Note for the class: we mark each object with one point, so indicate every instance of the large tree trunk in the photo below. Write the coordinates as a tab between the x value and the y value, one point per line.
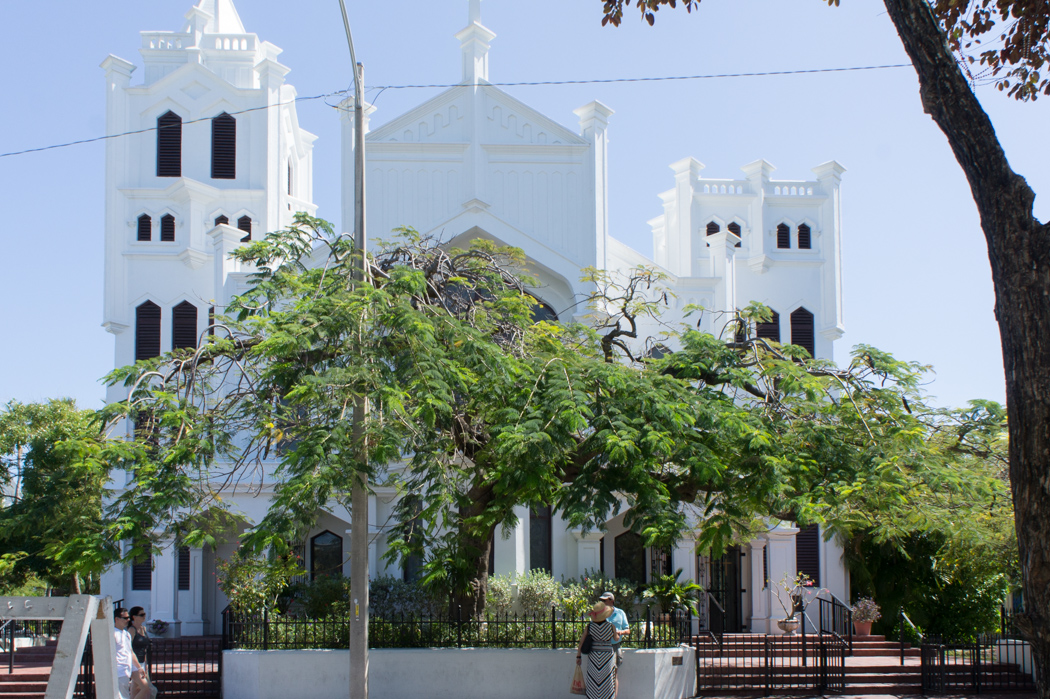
1020	257
475	544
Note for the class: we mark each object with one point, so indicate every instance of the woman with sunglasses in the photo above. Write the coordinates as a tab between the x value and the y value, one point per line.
141	644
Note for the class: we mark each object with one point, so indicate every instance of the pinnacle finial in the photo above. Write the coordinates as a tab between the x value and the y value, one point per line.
475	12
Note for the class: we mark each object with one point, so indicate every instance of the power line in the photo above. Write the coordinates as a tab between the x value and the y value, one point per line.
597	81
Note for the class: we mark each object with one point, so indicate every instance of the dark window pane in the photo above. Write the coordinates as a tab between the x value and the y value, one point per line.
167	228
802	330
713	228
770	330
184	567
142	574
630	557
222	219
224	147
147	331
804	237
244	223
540	539
326	556
145	231
783	236
184	326
807	552
169	145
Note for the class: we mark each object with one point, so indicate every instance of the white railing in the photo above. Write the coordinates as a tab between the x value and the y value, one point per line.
166	40
723	187
793	189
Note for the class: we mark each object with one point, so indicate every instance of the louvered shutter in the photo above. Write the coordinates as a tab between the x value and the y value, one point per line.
804	237
713	228
807	552
224	147
145	232
184	326
220	219
142	574
211	321
735	229
802	330
783	236
167	228
770	330
184	567
244	223
169	145
147	331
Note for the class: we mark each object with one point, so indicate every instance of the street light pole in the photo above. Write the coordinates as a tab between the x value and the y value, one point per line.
359	485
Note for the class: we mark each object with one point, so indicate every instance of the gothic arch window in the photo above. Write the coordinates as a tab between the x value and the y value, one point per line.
807	552
184	326
543	311
167	228
629	556
783	237
222	218
713	228
147	331
540	539
734	228
224	147
244	223
326	556
769	330
802	330
804	237
169	145
145	228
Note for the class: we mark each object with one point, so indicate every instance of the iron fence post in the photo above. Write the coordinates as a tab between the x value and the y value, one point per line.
459	625
648	627
10	646
266	629
977	666
767	652
554	629
849	624
900	623
804	661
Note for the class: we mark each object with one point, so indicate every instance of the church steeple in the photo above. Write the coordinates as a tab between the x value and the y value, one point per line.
474	45
224	17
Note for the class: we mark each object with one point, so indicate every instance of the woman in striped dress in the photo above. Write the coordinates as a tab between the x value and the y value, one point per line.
601	658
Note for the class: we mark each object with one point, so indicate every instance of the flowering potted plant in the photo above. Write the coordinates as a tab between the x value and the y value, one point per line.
795	588
158	627
865	613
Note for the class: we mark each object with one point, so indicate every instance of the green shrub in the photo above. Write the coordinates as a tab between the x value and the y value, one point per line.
538	592
594	583
391	598
500	597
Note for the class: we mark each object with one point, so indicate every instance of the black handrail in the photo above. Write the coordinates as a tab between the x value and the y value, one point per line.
901	618
720	629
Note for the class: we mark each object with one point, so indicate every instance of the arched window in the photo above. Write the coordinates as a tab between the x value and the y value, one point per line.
629	557
804	237
326	556
244	223
802	330
770	330
142	573
145	231
540	539
734	228
184	326
542	311
807	553
167	228
224	147
221	218
169	145
147	331
713	228
783	236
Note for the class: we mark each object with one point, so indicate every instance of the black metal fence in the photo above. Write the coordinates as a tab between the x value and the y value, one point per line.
181	668
769	664
270	632
988	663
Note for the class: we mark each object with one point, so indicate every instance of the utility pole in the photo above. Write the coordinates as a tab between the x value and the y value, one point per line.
359	486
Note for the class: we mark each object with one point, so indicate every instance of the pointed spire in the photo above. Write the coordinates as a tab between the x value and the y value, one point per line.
224	17
474	45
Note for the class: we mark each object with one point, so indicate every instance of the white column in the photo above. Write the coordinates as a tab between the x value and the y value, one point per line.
758	174
594	127
511	553
760	622
191	602
162	592
831	325
722	248
224	240
588	551
781	563
680	228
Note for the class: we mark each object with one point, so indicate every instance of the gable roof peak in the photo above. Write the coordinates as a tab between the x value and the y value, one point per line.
223	17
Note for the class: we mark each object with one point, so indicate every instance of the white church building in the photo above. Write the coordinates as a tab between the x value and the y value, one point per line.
218	157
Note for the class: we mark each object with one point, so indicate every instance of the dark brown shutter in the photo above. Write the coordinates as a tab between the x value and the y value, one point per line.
147	331
224	147
807	553
783	236
804	237
220	219
211	321
713	228
142	573
244	223
540	539
770	330
802	330
169	145
184	326
145	228
735	229
167	228
765	566
184	567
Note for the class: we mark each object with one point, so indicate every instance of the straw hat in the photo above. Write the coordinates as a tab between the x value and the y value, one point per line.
600	612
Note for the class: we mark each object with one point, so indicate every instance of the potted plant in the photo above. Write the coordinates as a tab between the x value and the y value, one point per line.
795	590
865	613
672	595
158	626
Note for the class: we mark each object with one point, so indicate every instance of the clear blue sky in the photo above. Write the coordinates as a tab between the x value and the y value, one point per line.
915	265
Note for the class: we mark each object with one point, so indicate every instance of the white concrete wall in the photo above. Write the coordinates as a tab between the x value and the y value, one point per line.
446	673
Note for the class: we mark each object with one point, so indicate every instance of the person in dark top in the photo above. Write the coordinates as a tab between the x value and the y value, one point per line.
141	644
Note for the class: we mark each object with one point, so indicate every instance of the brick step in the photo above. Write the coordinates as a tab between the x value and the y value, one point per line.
23	695
882	688
16	687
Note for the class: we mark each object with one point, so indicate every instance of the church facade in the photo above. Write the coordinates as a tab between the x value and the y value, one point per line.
221	159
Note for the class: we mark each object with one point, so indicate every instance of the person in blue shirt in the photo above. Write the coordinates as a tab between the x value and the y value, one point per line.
619	620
